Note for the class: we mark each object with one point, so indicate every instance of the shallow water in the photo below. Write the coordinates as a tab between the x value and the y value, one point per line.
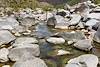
49	52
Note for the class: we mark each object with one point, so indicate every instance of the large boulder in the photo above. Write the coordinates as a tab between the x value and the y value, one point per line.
27	21
75	19
16	53
25	40
4	55
87	60
72	36
91	22
61	23
6	37
83	45
58	21
8	23
30	62
56	40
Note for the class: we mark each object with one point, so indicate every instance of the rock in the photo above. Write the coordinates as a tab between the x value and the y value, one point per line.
94	15
3	55
8	23
70	42
87	60
6	66
63	52
61	13
51	21
97	35
27	21
21	49
61	23
56	40
6	37
81	25
17	34
19	29
91	22
72	36
42	31
25	40
58	21
96	26
83	45
75	19
36	62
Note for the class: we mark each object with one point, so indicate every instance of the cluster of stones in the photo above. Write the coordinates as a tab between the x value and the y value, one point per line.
21	32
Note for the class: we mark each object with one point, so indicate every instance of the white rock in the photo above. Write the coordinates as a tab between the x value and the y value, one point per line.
75	19
83	45
6	66
3	55
70	42
63	52
6	37
94	15
56	40
87	60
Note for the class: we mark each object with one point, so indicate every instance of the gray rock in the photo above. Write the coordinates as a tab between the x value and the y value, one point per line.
75	19
83	45
96	26
6	37
91	22
8	23
72	36
26	40
97	35
17	52
4	55
61	23
27	21
58	21
31	62
51	21
56	40
87	60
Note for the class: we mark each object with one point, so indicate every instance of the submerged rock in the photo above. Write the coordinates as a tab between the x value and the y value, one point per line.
56	40
87	60
6	37
63	52
42	31
83	45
